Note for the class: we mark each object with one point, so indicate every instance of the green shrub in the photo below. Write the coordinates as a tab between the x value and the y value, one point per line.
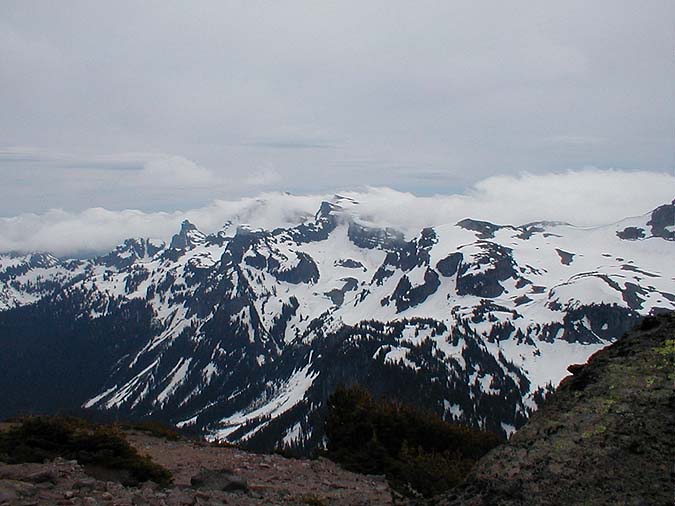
313	500
420	453
102	450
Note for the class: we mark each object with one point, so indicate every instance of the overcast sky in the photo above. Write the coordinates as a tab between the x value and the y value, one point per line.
166	106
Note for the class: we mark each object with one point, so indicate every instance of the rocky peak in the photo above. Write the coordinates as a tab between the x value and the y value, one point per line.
43	260
373	237
141	247
188	237
129	251
325	210
483	229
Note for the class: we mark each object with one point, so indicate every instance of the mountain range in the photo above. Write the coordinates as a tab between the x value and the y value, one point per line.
242	334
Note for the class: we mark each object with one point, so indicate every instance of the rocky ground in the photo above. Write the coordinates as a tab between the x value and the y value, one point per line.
606	437
198	469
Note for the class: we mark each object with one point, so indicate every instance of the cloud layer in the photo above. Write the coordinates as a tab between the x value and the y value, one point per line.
588	197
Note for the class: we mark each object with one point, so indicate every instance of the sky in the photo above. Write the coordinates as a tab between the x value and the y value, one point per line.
162	108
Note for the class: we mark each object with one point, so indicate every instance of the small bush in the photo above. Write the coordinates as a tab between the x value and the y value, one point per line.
419	453
313	500
100	449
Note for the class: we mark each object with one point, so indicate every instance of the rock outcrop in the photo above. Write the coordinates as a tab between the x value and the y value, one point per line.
605	437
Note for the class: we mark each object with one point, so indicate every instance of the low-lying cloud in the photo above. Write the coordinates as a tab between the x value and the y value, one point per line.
587	197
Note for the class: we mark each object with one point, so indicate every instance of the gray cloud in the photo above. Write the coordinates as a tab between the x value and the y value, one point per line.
289	144
31	157
428	96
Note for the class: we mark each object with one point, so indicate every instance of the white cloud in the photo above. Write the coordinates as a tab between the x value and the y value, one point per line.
587	197
174	171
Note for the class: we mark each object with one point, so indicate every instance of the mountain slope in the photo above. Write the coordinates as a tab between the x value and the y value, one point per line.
604	437
243	334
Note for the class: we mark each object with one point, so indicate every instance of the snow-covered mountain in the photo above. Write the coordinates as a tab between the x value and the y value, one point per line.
244	333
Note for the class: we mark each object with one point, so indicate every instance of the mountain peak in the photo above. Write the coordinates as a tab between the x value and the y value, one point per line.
187	225
188	237
129	252
326	209
483	229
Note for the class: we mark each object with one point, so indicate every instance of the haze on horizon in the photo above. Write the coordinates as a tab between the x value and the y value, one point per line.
170	107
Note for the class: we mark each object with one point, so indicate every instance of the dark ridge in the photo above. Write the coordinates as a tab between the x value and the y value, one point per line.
663	217
565	256
483	229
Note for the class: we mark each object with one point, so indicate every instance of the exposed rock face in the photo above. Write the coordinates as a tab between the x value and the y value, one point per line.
631	233
448	265
406	296
604	438
484	229
482	277
187	238
566	258
663	222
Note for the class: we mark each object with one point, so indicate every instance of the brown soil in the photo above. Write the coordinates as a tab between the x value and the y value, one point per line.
269	476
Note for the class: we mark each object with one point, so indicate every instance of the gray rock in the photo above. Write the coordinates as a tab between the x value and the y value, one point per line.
138	499
7	495
18	488
222	479
42	477
85	483
150	485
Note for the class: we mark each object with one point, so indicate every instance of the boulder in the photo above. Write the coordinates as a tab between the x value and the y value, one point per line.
219	479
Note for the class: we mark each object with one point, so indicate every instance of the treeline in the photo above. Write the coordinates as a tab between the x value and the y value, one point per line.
419	453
